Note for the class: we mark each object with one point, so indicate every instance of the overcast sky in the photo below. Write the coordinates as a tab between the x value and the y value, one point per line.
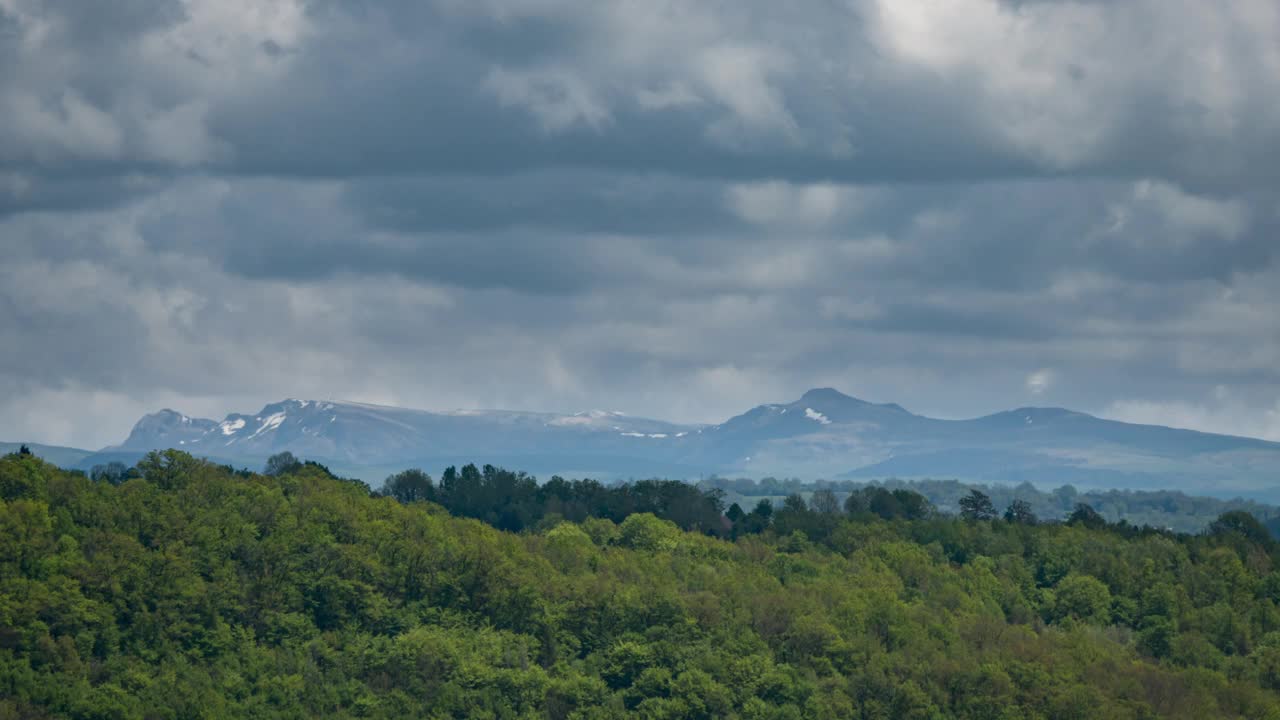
672	208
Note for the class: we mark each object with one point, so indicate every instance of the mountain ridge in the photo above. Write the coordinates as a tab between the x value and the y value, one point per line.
822	434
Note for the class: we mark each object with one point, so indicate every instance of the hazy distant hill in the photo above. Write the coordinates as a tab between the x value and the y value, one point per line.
62	456
827	433
824	433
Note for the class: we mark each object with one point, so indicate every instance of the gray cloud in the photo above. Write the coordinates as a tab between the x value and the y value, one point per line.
674	209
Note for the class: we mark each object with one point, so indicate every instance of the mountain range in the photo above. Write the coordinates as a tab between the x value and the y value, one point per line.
823	434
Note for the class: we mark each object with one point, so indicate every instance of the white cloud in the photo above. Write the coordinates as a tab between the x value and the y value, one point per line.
774	202
179	135
741	77
672	95
67	126
1040	381
1041	69
1225	417
1058	79
1189	213
558	99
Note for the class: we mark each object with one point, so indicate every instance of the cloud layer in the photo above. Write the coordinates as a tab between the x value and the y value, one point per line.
671	208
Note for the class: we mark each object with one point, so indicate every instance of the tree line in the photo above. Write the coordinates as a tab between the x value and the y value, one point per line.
515	501
1158	508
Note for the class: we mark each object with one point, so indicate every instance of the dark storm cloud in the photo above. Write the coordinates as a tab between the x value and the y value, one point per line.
676	209
843	92
585	202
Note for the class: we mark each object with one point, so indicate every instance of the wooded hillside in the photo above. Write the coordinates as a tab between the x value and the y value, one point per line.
195	591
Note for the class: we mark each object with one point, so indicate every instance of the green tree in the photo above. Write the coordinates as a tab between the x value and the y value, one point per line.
977	506
114	472
1243	524
169	469
1082	597
282	463
824	501
569	547
1086	516
645	531
1019	512
408	486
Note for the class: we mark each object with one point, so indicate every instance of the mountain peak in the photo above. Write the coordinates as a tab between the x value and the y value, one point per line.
166	428
1041	413
168	417
826	394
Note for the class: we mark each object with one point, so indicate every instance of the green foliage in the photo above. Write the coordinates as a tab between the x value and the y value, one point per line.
1083	598
602	531
646	531
1243	524
1020	512
888	504
198	591
515	501
410	486
113	472
282	463
977	505
1156	508
569	547
1086	516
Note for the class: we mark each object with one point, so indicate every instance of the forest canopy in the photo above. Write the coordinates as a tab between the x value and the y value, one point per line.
1158	508
195	590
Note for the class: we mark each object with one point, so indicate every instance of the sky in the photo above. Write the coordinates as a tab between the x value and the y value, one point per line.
672	208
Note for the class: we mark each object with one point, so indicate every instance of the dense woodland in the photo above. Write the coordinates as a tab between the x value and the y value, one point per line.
1157	508
182	589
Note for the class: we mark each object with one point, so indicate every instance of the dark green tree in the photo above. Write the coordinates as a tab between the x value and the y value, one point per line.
168	469
1085	515
1239	522
824	501
758	520
1019	512
912	505
411	485
795	503
114	472
282	463
977	506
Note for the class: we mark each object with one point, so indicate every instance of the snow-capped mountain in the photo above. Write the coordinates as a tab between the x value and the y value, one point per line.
359	434
824	433
167	428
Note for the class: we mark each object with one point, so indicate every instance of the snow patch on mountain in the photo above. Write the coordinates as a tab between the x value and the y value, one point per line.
574	421
817	416
271	423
